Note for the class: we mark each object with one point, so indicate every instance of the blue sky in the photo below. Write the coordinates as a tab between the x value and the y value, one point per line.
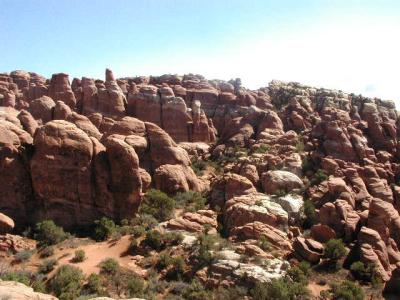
349	45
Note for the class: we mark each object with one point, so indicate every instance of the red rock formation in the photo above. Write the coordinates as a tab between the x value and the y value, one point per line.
60	89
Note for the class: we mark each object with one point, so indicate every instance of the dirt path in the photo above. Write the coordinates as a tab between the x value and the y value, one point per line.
95	253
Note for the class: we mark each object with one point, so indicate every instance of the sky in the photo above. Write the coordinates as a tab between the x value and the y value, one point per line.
349	45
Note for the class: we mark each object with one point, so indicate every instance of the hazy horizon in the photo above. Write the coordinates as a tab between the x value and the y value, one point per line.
346	45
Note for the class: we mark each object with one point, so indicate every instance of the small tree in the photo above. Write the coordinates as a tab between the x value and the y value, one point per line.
23	256
347	290
335	250
47	266
66	283
364	272
319	177
190	200
80	256
104	228
109	266
94	284
48	233
309	213
135	286
47	251
157	204
279	289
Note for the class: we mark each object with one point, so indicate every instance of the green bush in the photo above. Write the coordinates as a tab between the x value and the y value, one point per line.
48	233
309	213
319	177
335	250
80	256
364	272
164	261
191	201
198	166
204	248
135	286
47	266
109	266
231	293
264	243
94	284
157	204
280	289
178	268
138	231
196	291
19	276
47	251
264	148
158	241
144	220
23	256
347	290
104	228
300	273
66	283
154	239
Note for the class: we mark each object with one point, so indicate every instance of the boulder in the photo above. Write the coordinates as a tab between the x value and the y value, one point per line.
6	224
18	291
308	249
280	181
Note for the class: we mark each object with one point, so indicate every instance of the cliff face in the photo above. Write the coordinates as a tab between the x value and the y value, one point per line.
92	148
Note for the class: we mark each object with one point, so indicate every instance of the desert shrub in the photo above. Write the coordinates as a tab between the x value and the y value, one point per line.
109	266
204	248
157	204
48	233
47	251
173	238
281	192
198	166
94	285
66	283
80	256
299	273
347	290
309	213
279	289
264	243
138	231
264	148
190	200
158	241
196	291
135	286
178	268
335	250
164	261
319	177
47	266
23	256
305	267
19	276
154	239
38	284
306	165
231	293
133	245
103	229
144	220
364	272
